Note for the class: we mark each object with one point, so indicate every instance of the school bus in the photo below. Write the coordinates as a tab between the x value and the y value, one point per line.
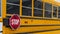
35	15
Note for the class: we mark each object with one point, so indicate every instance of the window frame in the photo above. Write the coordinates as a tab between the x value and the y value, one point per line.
13	4
43	9
56	11
47	10
22	6
39	9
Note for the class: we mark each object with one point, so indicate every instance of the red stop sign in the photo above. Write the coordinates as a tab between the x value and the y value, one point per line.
14	21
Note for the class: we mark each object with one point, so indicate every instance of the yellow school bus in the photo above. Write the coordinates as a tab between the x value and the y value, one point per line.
35	15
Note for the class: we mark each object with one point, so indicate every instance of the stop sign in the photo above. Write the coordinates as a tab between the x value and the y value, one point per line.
14	21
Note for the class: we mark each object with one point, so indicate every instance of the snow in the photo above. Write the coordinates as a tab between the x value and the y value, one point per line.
1	27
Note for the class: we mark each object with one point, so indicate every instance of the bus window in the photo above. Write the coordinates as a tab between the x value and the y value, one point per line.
38	4
54	11
27	12
59	12
27	3
13	1
27	8
38	13
48	10
0	9
13	7
38	8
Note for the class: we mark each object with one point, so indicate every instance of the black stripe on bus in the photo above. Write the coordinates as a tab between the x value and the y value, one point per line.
40	31
38	25
6	23
36	18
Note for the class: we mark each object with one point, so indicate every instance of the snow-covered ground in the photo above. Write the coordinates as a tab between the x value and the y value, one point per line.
0	33
1	27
